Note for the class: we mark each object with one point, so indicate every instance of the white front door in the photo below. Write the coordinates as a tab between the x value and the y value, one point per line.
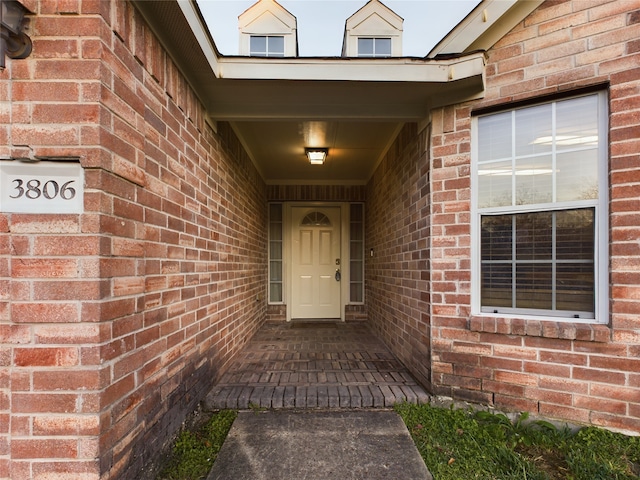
315	260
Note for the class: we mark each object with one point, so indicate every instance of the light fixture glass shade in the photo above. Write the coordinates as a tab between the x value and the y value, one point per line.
316	156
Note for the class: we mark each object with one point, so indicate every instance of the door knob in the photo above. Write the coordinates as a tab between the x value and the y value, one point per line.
338	275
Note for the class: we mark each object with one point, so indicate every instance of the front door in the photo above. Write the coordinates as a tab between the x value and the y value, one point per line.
315	262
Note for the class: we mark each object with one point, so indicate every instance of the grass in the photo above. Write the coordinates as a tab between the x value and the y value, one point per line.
460	444
194	451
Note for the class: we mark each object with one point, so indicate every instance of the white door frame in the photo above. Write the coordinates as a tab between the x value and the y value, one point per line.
344	251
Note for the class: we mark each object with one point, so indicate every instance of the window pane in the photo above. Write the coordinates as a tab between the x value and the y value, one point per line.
258	45
275	292
276	46
577	122
534	180
533	130
534	232
356	271
494	137
496	287
356	252
495	184
534	286
383	47
575	284
539	260
356	292
276	251
575	234
497	238
577	175
275	212
275	271
275	231
365	47
356	212
356	231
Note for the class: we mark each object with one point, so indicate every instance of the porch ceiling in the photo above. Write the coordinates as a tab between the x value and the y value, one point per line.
277	107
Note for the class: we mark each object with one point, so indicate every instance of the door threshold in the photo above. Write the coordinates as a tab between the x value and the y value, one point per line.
314	322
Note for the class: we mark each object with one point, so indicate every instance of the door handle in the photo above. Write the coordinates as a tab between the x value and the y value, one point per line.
338	275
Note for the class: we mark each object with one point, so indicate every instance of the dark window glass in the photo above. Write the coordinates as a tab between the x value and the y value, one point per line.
546	258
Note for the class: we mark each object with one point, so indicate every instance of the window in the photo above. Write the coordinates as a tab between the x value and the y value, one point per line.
265	46
540	210
374	47
356	253
275	253
316	219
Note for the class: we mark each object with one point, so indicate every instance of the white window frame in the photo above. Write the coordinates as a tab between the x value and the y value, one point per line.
601	233
267	53
374	54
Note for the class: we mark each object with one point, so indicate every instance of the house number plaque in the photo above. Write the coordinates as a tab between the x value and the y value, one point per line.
41	187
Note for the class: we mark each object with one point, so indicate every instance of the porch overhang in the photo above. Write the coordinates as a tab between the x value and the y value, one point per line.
340	92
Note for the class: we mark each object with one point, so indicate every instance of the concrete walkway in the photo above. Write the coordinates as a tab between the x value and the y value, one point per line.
315	365
318	445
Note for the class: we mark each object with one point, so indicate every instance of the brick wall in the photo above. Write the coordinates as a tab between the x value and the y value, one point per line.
397	229
577	372
114	323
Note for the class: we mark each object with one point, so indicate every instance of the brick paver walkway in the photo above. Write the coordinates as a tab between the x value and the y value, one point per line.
315	365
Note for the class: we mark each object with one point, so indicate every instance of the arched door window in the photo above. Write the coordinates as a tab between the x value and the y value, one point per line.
316	219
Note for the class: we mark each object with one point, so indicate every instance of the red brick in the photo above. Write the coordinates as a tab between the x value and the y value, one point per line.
50	448
66	425
44	312
564	358
82	470
70	380
35	223
64	113
515	378
75	290
65	245
559	384
618	422
567	413
598	375
610	363
74	333
47	357
49	403
623	394
16	334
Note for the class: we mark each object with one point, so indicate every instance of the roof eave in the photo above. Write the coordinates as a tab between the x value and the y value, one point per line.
487	23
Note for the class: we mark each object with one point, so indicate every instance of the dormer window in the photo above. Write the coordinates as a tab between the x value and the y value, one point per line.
268	30
374	47
374	31
266	46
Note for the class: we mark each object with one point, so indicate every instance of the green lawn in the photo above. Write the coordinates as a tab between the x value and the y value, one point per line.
461	444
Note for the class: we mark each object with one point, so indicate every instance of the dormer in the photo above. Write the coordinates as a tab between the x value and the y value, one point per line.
267	29
373	31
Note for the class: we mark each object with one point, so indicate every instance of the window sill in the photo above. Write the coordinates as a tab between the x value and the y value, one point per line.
586	332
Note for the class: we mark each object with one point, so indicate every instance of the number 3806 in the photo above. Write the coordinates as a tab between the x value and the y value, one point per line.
34	189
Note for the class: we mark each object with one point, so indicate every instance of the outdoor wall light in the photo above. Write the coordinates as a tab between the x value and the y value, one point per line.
316	156
14	43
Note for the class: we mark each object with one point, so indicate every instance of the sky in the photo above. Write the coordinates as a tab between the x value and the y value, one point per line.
321	22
